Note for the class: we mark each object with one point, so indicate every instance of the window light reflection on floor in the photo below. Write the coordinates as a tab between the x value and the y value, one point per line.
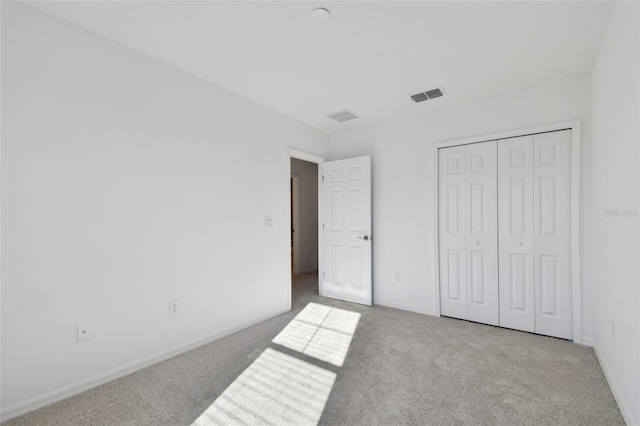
278	389
320	331
275	389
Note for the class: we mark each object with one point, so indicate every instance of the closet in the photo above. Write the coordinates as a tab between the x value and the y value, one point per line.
504	232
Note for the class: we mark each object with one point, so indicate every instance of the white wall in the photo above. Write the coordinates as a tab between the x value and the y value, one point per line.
616	140
121	191
403	180
307	230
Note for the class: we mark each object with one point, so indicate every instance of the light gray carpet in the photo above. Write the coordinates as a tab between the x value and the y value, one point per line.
402	368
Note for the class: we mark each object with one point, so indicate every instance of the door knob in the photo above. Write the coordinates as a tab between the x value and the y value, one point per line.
519	244
366	238
476	243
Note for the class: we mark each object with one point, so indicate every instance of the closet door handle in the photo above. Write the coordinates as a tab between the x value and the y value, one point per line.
476	243
519	244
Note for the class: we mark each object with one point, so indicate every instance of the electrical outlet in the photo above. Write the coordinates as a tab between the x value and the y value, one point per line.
396	277
173	308
84	331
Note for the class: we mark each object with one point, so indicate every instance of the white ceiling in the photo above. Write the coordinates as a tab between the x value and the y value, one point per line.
369	57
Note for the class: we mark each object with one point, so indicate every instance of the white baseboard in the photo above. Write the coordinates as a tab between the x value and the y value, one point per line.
409	308
65	392
587	341
625	408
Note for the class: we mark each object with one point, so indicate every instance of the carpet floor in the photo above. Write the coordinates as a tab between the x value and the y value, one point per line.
401	368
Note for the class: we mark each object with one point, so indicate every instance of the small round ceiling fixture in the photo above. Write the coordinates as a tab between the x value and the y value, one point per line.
320	14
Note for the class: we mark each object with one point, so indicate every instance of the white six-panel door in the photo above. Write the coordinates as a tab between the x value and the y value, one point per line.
552	233
347	230
504	233
468	232
482	235
515	207
452	231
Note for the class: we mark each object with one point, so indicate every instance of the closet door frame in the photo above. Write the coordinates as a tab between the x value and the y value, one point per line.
574	126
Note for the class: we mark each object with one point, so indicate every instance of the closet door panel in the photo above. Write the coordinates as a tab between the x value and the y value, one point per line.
516	256
552	225
452	230
482	225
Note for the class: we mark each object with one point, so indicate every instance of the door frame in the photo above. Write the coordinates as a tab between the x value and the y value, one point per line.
295	220
311	158
575	127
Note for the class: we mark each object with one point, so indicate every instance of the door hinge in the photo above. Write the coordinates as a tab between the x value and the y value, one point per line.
323	178
323	226
323	275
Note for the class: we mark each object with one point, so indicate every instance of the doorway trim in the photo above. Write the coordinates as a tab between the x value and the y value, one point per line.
295	220
576	290
311	158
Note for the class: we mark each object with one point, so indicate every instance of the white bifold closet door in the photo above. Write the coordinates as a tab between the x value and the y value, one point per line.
504	233
552	233
534	193
468	232
515	230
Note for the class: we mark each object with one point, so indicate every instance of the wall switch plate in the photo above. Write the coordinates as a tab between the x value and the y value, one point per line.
396	277
268	221
84	331
173	308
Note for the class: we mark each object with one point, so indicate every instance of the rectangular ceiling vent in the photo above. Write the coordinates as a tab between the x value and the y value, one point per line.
429	94
342	116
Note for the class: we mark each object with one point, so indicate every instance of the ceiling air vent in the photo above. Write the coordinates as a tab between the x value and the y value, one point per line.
341	116
419	97
429	94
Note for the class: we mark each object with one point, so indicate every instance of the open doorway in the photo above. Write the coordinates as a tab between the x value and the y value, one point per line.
304	226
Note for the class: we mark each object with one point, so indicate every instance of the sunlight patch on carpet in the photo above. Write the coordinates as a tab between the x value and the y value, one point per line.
320	331
276	389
